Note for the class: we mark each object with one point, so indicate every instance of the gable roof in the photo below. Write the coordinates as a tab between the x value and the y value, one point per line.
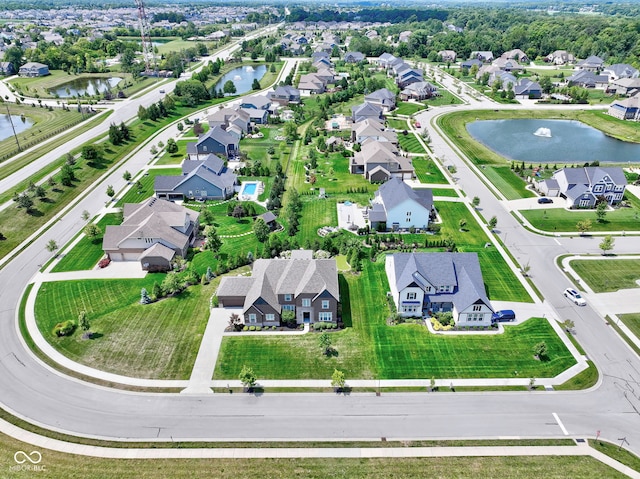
525	86
220	135
259	101
383	94
395	191
366	110
212	170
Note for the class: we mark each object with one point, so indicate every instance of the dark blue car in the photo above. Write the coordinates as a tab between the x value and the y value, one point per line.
503	315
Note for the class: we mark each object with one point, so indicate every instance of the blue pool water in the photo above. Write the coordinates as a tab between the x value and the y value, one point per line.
249	189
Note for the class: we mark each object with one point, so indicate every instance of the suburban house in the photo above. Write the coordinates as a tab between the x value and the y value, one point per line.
366	111
484	57
624	86
517	55
315	83
588	79
397	206
560	57
421	90
216	141
407	76
583	186
526	88
426	283
207	179
447	55
507	64
353	57
6	68
372	130
404	36
33	69
152	232
378	161
306	286
383	98
229	117
270	220
468	64
592	63
625	109
284	95
257	102
386	60
620	70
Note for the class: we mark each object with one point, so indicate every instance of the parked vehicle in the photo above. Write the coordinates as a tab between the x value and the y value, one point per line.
574	296
544	200
503	315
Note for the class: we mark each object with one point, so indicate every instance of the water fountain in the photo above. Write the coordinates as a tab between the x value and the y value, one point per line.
543	132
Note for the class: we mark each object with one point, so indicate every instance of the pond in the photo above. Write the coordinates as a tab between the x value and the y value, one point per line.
567	141
19	123
242	78
80	86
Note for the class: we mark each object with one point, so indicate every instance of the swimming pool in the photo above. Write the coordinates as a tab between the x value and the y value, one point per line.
249	188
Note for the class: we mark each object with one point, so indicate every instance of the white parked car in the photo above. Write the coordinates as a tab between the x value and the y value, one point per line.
574	296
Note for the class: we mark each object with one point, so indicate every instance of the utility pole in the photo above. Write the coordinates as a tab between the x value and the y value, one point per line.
13	127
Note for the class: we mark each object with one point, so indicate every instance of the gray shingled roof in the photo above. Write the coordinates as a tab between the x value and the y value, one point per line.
366	110
257	100
395	191
158	250
381	94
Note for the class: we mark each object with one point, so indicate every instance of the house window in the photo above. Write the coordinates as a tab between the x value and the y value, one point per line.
288	307
252	318
584	203
597	189
477	307
325	304
326	316
270	317
411	295
609	186
204	147
306	302
287	297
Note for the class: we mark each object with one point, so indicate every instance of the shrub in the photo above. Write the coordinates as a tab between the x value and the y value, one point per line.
104	263
246	328
258	328
252	328
334	326
65	328
273	328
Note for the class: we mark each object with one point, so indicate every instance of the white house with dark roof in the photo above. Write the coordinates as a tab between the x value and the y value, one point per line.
483	56
560	57
525	88
620	70
306	286
426	283
592	63
397	206
378	161
207	179
421	90
33	69
588	79
583	186
152	232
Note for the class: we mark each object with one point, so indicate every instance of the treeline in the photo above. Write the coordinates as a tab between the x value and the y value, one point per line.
393	15
171	17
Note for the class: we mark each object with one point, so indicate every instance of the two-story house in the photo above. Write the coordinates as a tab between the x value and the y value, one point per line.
285	95
383	98
152	232
366	111
582	187
378	161
306	286
216	141
397	206
426	283
372	130
33	69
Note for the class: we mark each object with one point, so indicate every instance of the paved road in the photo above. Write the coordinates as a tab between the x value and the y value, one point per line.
34	391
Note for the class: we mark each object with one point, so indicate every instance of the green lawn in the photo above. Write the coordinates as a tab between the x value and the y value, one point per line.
408	108
397	124
134	195
445	192
158	341
410	143
632	321
228	225
64	466
39	87
45	124
613	450
177	157
507	182
608	275
427	171
371	348
561	220
444	98
87	252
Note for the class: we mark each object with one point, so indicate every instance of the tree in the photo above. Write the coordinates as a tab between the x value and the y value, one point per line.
238	211
83	322
209	273
288	317
325	343
338	380
92	231
90	152
24	201
144	296
235	323
85	215
247	377
290	131
212	242
52	246
462	224
171	283
110	191
229	88
172	146
115	135
475	201
261	230
67	175
568	325
255	85
126	176
601	211
583	226
493	222
143	113
40	192
607	244
540	349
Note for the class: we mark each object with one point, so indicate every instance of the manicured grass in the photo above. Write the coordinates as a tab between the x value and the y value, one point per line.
64	466
507	182
445	192
158	340
631	321
134	195
427	171
444	98
177	157
408	108
87	252
410	143
559	219
608	275
583	380
451	213
45	124
228	225
500	282
256	149
397	124
613	450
